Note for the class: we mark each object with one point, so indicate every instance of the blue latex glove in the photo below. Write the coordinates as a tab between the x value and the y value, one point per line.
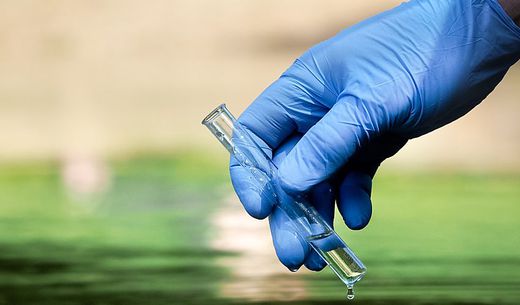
354	100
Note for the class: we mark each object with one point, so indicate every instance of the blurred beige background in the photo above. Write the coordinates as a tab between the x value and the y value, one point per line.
109	78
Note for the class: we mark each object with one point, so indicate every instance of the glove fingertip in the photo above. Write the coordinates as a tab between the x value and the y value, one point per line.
314	262
358	221
289	249
356	208
354	201
254	204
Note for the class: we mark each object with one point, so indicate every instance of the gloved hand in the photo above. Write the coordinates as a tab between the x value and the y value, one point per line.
354	100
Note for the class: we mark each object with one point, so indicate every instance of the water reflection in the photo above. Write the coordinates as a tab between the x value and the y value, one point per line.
255	273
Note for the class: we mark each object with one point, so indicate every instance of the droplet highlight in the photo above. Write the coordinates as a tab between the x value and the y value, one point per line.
350	293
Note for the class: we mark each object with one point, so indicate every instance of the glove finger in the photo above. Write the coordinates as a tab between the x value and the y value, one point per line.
354	202
290	248
355	186
329	144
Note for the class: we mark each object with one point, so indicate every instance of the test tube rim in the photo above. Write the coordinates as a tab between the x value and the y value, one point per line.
214	114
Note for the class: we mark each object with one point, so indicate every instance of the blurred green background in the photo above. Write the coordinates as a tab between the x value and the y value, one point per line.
111	192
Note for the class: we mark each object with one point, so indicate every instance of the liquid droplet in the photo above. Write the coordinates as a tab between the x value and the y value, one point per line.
350	293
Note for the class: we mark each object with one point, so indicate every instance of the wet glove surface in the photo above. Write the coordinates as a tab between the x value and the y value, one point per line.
354	100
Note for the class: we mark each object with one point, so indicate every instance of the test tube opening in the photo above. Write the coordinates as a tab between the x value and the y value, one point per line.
214	114
221	124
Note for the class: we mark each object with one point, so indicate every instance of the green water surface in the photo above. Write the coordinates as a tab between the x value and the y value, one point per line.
435	238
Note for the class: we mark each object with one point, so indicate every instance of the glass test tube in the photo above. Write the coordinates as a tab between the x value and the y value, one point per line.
307	222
